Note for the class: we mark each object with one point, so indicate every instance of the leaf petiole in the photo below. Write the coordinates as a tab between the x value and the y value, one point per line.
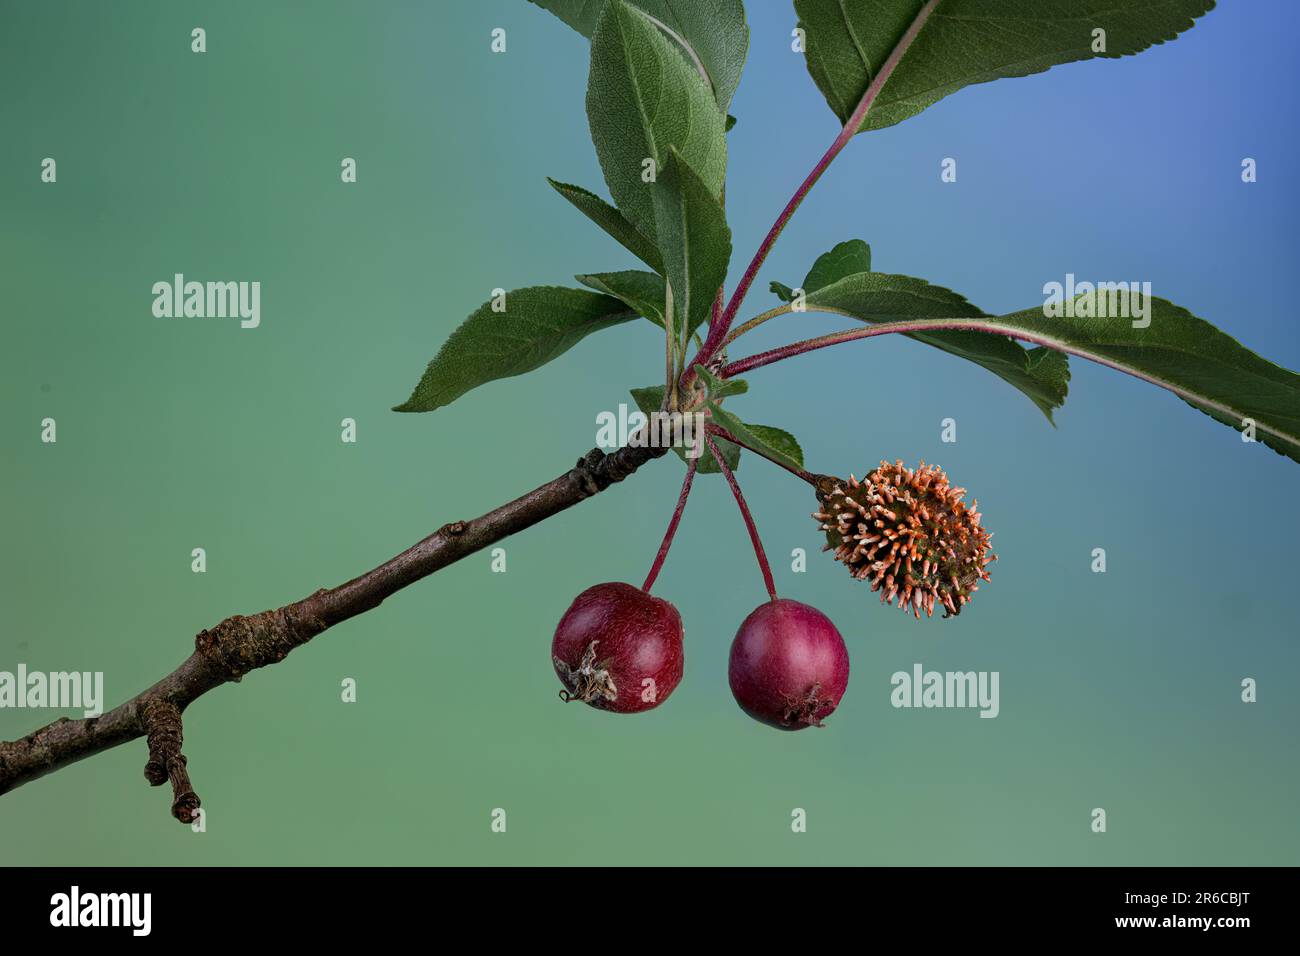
718	331
755	322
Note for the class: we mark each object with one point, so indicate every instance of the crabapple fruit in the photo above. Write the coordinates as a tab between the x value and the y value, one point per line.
618	648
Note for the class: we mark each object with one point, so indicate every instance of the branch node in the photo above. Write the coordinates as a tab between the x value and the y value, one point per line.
584	472
164	732
243	643
596	471
452	528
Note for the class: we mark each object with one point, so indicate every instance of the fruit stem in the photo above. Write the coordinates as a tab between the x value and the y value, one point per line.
797	472
672	526
749	519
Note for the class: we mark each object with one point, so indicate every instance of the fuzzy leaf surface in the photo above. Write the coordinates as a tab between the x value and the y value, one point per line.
694	240
642	98
540	323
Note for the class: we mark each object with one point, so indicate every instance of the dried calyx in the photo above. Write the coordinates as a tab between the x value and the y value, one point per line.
909	533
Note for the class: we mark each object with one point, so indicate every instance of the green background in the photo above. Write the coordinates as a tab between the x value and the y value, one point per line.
1118	690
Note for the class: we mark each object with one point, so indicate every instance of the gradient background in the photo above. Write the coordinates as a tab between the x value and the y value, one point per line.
1119	690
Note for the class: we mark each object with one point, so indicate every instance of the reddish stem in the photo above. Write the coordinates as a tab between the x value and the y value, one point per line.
672	526
990	326
749	519
751	272
835	338
718	330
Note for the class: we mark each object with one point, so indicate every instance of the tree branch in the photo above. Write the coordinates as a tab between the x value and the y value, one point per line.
239	644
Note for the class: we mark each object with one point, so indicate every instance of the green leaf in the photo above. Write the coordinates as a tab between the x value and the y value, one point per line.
711	34
782	291
613	222
579	14
845	259
651	400
693	238
1169	347
880	297
539	324
643	292
1204	366
720	388
770	442
731	121
960	42
642	98
779	440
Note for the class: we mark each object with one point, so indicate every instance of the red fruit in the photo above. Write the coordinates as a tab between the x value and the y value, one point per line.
789	665
618	648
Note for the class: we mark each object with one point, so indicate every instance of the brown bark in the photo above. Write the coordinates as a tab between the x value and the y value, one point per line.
239	644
